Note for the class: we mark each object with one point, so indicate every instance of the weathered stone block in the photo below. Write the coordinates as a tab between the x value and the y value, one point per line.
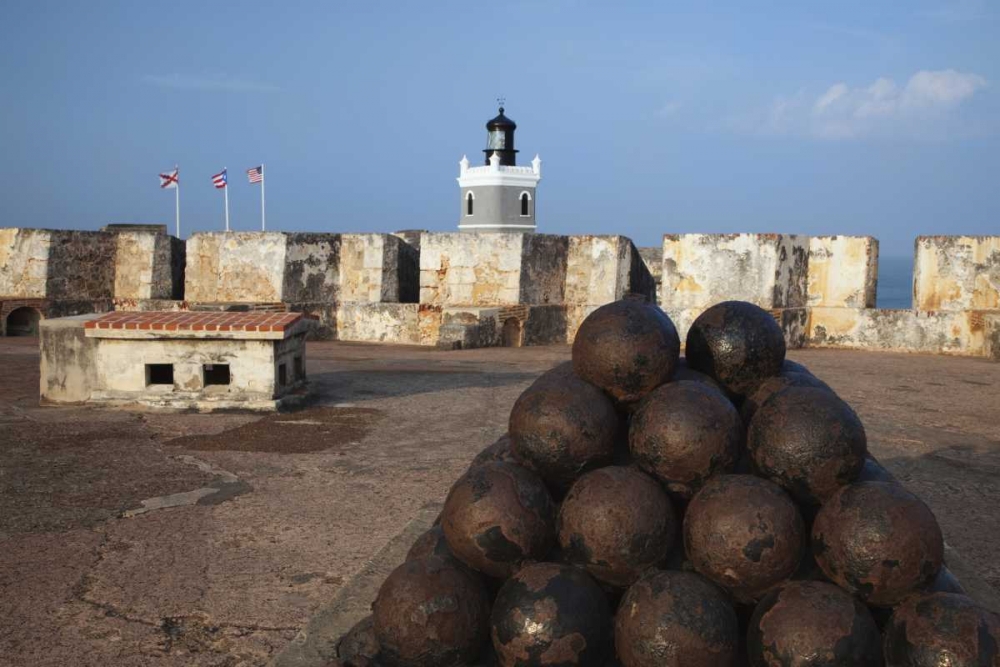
653	259
956	273
245	267
937	332
843	271
379	323
769	270
68	361
81	265
148	266
311	268
57	264
543	269
466	269
602	269
24	262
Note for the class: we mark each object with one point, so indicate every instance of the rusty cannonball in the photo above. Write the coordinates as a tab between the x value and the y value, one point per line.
942	630
430	543
561	426
807	623
616	522
359	648
744	533
627	348
809	441
430	612
772	386
737	343
675	619
878	541
551	615
873	471
789	366
684	372
685	432
498	451
496	516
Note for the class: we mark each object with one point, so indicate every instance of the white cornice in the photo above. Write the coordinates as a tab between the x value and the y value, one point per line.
495	173
472	179
498	225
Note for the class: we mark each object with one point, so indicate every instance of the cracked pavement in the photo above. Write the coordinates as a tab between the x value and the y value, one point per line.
140	538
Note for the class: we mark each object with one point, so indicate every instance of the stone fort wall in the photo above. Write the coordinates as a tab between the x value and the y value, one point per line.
462	289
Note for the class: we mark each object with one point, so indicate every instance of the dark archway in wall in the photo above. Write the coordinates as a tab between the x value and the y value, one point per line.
23	322
512	332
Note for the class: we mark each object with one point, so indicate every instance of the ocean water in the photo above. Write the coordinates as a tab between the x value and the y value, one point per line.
895	282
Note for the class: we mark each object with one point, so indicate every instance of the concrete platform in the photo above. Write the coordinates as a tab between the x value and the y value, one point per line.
138	538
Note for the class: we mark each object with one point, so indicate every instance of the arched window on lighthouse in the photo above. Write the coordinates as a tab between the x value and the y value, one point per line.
468	203
525	204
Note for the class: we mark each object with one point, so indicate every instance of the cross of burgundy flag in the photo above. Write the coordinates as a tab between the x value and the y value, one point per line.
169	180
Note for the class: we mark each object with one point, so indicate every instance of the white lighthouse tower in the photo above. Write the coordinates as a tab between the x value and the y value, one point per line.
499	196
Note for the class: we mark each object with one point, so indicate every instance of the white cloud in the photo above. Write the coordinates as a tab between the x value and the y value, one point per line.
920	106
211	82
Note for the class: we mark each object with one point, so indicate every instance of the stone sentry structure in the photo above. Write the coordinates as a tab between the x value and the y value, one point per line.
200	361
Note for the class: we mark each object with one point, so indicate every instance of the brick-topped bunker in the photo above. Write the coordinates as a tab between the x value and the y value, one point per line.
181	360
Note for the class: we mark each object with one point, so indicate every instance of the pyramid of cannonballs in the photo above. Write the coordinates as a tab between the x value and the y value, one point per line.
648	510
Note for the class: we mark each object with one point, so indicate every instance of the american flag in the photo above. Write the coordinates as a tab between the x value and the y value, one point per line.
256	174
169	180
220	180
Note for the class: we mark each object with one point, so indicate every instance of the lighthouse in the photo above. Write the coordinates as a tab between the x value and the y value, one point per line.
499	196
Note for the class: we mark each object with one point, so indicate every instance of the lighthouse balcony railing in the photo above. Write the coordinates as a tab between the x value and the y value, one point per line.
527	171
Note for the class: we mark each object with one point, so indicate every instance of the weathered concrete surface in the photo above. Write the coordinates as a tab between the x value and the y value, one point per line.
653	258
311	268
469	269
843	271
24	259
543	269
942	332
769	270
68	364
379	323
378	268
246	267
956	273
57	264
148	266
335	494
269	267
991	336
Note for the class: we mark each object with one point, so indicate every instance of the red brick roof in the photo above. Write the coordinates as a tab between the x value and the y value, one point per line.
195	321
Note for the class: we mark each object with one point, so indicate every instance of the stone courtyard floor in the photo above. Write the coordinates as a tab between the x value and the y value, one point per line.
137	538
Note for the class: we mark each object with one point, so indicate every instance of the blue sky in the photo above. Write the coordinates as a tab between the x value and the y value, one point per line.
877	118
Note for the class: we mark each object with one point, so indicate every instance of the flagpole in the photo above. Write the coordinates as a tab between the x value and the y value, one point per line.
177	202
263	224
226	190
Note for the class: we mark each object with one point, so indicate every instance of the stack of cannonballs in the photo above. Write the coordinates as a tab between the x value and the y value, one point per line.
648	510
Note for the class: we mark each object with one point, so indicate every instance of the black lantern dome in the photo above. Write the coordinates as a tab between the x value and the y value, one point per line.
500	139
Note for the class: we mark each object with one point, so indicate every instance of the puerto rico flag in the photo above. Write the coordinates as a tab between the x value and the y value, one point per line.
169	180
220	180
